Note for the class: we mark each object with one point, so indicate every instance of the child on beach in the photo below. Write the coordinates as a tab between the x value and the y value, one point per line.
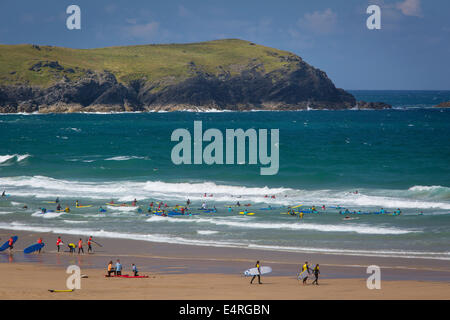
118	268
40	241
80	246
59	242
89	243
134	269
111	269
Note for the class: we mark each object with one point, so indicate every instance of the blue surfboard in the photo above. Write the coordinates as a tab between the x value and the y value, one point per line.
33	248
6	245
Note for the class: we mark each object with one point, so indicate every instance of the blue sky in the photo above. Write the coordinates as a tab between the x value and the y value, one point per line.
411	51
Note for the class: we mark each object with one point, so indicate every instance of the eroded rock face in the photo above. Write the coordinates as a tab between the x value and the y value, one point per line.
295	88
443	105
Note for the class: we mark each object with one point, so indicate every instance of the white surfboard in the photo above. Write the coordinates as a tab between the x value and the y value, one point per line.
254	271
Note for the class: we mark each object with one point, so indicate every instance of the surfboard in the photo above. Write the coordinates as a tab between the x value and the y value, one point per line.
297	206
68	290
302	275
254	271
88	206
249	213
6	245
33	248
49	201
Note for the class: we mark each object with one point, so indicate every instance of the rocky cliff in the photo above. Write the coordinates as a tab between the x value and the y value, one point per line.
223	74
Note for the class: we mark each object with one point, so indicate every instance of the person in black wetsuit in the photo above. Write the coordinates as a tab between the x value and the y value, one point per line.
316	273
258	275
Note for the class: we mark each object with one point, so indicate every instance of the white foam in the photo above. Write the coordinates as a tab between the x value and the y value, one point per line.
13	158
177	240
124	158
207	232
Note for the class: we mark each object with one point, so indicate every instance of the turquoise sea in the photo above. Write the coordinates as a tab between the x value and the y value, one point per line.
395	158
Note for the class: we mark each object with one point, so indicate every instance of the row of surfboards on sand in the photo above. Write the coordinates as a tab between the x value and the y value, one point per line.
34	247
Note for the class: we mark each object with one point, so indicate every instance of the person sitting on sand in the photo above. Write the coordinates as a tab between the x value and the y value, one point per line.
118	268
134	269
110	269
316	274
258	275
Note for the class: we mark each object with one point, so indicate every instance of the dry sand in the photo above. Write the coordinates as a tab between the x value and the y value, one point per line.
29	281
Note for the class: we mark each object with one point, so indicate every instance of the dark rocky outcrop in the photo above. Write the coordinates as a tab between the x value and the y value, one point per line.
443	105
301	87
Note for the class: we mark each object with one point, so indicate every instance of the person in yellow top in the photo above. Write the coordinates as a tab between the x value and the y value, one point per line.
258	275
306	271
300	214
67	210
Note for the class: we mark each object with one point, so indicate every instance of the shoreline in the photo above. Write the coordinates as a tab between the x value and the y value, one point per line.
195	259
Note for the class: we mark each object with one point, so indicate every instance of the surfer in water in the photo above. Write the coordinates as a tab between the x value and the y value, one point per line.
4	193
258	275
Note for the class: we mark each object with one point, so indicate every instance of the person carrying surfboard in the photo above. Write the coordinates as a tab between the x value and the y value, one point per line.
10	243
258	275
40	241
306	270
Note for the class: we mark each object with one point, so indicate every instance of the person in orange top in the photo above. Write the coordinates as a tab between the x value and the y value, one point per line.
39	241
111	269
10	243
59	242
89	243
80	246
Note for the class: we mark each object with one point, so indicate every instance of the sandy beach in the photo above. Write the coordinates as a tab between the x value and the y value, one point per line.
194	272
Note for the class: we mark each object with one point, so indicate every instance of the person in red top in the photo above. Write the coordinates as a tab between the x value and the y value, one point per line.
59	242
89	243
39	241
10	243
80	246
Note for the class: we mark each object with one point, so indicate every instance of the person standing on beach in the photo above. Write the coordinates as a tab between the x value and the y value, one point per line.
58	243
118	268
258	275
316	274
10	244
134	269
40	241
80	246
305	272
89	243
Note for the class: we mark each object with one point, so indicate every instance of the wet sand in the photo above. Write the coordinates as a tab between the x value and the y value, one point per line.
195	272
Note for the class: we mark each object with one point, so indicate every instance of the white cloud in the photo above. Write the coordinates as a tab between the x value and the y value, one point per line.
319	21
410	8
145	31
